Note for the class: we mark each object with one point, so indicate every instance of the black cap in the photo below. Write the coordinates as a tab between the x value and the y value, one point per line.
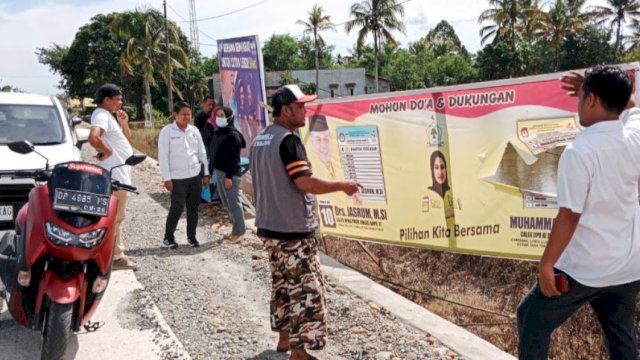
286	95
318	123
106	90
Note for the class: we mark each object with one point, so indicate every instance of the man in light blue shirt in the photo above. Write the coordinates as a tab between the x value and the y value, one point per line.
182	158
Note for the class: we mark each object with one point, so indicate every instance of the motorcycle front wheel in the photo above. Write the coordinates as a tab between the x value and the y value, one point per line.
56	332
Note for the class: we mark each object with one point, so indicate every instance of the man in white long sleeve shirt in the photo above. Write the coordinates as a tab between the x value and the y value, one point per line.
182	158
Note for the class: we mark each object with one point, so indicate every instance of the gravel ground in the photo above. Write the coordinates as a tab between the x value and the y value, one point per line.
215	297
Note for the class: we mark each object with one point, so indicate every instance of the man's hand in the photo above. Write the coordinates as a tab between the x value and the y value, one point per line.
547	281
206	180
350	187
357	200
228	183
168	185
572	82
103	155
122	117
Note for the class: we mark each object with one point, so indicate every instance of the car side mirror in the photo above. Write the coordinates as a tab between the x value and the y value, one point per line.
135	159
76	120
83	136
22	147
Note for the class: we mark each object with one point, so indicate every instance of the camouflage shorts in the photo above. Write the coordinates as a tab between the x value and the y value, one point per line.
297	293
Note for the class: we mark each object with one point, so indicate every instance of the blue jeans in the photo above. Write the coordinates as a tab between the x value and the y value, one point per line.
231	200
615	307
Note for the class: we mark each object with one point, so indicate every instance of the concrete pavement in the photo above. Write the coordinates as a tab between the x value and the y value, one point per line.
133	329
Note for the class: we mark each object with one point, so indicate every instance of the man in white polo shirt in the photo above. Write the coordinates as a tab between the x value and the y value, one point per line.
593	252
181	154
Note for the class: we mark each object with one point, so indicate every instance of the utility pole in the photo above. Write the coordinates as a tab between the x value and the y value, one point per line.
166	41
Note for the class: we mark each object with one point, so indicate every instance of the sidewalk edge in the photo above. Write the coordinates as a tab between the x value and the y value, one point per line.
454	337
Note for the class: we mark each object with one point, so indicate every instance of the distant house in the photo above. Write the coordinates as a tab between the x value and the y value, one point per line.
383	84
333	83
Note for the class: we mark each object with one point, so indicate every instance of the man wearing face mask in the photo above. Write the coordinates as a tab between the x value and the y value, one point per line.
225	152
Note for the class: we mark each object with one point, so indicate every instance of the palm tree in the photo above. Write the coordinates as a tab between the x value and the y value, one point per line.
633	41
146	50
379	18
562	19
509	18
615	15
317	22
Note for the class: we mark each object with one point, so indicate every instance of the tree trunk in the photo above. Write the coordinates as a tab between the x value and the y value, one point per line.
618	40
557	56
315	36
376	49
147	92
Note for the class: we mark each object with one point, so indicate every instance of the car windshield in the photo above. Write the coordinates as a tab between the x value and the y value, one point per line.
39	124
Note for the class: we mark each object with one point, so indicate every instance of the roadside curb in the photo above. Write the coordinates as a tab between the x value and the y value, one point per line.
452	336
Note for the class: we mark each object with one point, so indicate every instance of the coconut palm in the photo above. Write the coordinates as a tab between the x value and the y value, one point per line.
378	18
146	51
633	41
563	19
508	19
615	15
316	23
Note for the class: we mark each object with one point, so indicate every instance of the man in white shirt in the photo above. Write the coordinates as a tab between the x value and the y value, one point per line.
110	137
593	250
182	157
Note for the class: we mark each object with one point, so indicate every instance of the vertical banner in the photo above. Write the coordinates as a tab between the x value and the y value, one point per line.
242	83
468	169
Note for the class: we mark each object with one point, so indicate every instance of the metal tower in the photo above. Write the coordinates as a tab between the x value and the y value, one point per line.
193	25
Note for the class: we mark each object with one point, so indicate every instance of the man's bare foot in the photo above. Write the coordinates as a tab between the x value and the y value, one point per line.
234	239
301	354
283	342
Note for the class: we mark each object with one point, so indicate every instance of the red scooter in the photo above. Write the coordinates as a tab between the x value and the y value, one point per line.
56	265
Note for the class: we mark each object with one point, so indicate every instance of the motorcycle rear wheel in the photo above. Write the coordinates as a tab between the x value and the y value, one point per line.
56	332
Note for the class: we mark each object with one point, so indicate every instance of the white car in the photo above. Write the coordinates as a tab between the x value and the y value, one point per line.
43	121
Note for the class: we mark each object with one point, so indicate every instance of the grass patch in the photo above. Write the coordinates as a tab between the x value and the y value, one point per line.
145	140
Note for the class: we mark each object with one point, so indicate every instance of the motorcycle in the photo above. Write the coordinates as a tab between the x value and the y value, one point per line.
56	265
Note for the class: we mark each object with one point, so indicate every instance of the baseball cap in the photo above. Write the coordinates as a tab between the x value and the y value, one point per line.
289	94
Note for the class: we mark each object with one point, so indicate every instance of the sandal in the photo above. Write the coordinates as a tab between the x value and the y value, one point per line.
282	349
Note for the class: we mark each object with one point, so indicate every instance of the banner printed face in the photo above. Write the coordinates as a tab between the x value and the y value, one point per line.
470	171
242	83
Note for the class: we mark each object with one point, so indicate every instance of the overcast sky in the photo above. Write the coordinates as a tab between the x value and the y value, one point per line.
26	25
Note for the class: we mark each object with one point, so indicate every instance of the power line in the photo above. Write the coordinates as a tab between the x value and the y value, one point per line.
232	12
200	31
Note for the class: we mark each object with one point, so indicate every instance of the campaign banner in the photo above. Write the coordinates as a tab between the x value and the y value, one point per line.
468	169
242	83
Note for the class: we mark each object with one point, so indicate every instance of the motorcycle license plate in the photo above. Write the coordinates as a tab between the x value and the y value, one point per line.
6	213
81	202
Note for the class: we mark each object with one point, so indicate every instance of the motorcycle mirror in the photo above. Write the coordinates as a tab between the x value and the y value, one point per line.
135	159
22	147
